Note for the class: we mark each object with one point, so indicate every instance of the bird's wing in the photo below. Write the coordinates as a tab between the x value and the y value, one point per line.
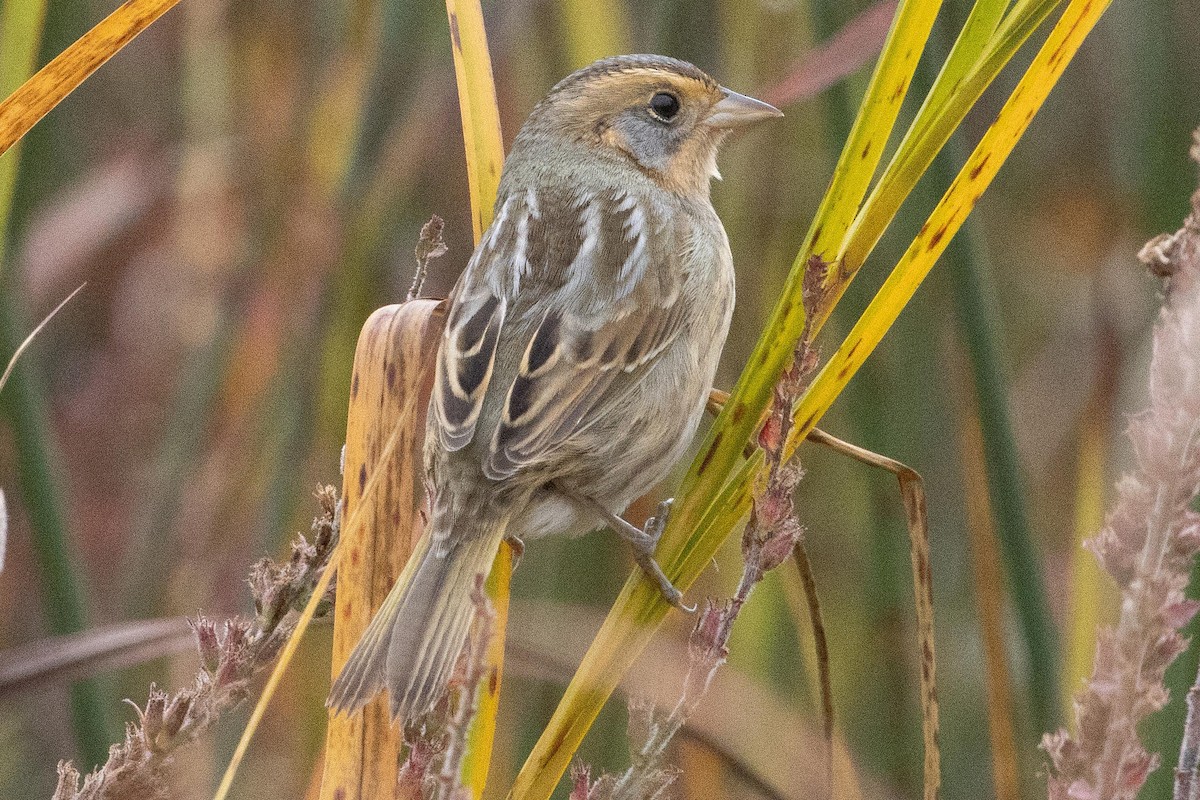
568	298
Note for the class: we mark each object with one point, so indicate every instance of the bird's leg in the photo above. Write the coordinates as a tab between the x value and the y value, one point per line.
644	541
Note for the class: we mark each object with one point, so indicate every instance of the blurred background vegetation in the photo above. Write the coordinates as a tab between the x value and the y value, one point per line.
244	183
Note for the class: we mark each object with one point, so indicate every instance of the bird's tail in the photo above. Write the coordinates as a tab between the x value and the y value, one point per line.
415	637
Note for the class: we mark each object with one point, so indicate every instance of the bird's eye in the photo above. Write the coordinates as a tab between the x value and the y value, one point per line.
664	105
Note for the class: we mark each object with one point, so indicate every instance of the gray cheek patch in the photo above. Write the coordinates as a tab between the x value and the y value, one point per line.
651	143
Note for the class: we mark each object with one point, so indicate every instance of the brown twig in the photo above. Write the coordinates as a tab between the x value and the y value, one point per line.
821	646
430	245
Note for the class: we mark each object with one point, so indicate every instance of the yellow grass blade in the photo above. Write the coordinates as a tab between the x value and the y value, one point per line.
1093	598
60	77
594	29
482	732
485	156
1064	40
477	105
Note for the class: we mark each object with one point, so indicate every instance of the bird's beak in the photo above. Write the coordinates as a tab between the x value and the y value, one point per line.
737	110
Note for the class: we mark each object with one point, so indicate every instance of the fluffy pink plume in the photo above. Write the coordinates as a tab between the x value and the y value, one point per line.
1147	545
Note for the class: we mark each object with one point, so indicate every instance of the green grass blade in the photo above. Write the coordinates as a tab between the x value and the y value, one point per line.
477	105
974	38
979	328
23	404
21	23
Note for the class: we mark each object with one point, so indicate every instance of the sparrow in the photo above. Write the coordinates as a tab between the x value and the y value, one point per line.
579	348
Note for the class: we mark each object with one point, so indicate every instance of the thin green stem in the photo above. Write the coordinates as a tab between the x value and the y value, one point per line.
23	403
21	25
979	327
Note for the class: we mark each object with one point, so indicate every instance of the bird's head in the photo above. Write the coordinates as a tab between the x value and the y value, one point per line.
664	116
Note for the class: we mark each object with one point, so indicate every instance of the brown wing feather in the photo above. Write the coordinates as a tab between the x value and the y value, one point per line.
569	296
612	314
465	362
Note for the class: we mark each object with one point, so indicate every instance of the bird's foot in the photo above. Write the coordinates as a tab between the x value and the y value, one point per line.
652	532
644	541
667	589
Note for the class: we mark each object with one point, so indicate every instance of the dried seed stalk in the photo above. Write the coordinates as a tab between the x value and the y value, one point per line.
232	654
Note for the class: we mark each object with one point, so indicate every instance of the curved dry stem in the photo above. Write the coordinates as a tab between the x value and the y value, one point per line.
912	490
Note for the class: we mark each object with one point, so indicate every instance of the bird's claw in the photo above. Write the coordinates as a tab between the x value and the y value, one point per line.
517	545
667	589
644	548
